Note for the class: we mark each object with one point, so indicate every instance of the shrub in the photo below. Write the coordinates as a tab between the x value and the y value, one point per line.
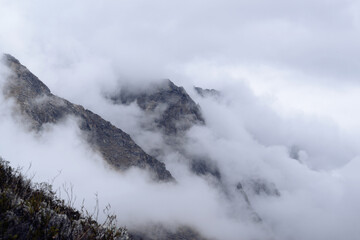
33	211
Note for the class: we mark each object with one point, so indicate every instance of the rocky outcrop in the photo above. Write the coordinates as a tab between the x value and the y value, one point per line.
207	92
178	112
40	106
204	166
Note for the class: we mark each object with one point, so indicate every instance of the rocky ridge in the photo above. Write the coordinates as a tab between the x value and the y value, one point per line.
179	111
176	112
36	102
178	106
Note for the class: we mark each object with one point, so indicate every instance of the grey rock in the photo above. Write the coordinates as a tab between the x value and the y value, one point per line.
203	166
40	106
180	111
207	92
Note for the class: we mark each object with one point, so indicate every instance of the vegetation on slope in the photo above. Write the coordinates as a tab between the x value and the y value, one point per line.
33	211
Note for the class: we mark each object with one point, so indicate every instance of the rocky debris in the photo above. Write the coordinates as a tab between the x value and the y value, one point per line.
40	106
158	232
29	211
178	112
207	92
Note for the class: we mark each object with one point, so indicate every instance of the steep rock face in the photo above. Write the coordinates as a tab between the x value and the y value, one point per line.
37	103
180	111
205	167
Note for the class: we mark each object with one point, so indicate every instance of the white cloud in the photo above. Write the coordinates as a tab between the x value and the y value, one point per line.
288	70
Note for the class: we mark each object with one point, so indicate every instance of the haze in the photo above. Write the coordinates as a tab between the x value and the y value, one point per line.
289	74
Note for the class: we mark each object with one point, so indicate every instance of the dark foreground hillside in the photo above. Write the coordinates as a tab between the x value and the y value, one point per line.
29	211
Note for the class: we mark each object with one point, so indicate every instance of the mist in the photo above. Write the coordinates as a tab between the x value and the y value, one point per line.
288	77
60	155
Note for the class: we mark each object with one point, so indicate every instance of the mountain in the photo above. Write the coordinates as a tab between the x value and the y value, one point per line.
175	113
36	102
178	112
39	106
170	111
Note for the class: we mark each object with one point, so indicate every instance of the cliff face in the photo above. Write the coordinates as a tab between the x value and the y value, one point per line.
40	106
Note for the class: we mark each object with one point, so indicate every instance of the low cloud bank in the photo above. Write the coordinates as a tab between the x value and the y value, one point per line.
256	54
243	136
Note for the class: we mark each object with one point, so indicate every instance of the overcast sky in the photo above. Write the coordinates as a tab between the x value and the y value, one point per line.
290	72
301	54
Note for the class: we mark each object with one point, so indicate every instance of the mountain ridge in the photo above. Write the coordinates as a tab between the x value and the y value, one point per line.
35	101
179	112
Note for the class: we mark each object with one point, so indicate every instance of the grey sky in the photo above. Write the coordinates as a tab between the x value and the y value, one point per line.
299	58
297	52
319	37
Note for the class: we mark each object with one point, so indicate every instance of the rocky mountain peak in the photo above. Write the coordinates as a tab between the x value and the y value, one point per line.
178	112
23	80
40	106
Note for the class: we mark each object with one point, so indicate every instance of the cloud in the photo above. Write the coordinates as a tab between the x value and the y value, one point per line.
60	155
281	49
318	37
288	72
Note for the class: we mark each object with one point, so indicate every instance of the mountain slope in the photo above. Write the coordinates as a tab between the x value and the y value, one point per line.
178	112
40	106
30	211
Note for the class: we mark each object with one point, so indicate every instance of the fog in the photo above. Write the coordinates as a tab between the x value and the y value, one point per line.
288	76
60	155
